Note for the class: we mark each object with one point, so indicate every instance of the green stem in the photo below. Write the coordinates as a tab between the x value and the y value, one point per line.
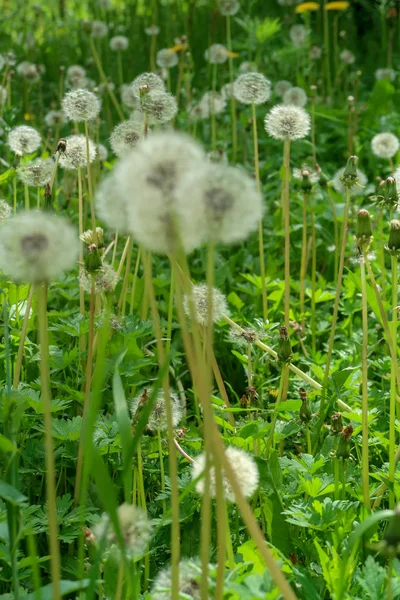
26	193
135	276
213	115
233	99
303	262
327	51
313	278
270	440
364	406
162	474
392	412
286	216
171	303
90	184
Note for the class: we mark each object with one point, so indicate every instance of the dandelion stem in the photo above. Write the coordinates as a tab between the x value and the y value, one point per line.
392	411
162	474
135	276
364	358
104	79
303	262
313	278
90	184
213	115
18	363
286	210
270	440
233	100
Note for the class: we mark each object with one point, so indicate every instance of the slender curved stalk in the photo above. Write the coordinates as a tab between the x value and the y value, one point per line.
90	184
313	278
233	99
18	363
26	194
286	216
135	276
170	312
270	440
364	406
55	567
335	233
392	411
213	115
303	263
162	474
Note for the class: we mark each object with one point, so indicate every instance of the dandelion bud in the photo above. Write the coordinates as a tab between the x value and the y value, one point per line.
390	197
287	122
5	211
385	145
125	136
284	346
135	528
216	54
37	172
363	231
242	464
336	423
228	7
81	105
37	247
349	178
343	449
200	297
92	259
75	154
252	88
390	544
305	409
158	415
394	238
23	140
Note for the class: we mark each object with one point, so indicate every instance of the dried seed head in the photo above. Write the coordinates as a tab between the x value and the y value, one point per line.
75	77
385	145
37	172
55	118
189	581
167	58
213	103
216	54
75	154
287	122
81	105
28	71
229	7
135	528
298	34
125	136
5	211
252	88
37	247
160	107
23	140
146	81
99	29
200	297
158	415
336	423
295	96
281	87
242	464
119	43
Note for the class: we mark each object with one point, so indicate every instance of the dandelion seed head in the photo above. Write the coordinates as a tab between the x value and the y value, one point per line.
36	172
298	34
281	87
119	43
199	297
5	211
28	71
385	145
75	153
152	30
347	57
160	107
81	105
167	58
198	111
135	527
356	190
227	90
99	29
128	96
213	103
217	156
125	136
102	152
315	52
150	81
105	280
306	173
229	7
385	74
158	416
295	96
287	122
189	581
252	88
36	247
230	207
242	464
75	76
23	140
54	118
216	54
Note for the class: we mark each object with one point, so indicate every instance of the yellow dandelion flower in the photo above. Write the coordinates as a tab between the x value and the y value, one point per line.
307	7
337	5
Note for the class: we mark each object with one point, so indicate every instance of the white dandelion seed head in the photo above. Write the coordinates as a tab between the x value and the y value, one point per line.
385	145
119	43
244	467
3	94
128	96
99	29
295	96
110	206
36	173
229	205
102	152
281	87
298	34
287	122
228	7
227	90
150	81
158	415
198	112
23	140
81	105
28	71
75	154
135	527
167	58
152	30
216	54
246	67
315	52
144	187
213	103
37	247
88	238
5	211
54	118
102	87
189	581
160	107
306	172
217	156
11	58
347	57
199	297
385	74
125	136
252	88
356	190
105	280
75	77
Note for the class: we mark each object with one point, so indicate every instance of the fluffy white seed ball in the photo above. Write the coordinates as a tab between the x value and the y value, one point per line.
75	154
213	103
287	122
216	54
356	190
23	140
81	105
148	82
119	43
199	298
160	107
385	145
36	172
229	7
125	136
295	96
158	415
252	88
189	581
167	58
135	528
281	87
298	34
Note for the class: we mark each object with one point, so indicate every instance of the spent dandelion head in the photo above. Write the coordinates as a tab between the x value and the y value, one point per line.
55	118
242	464
298	34
252	88
167	58
81	105
190	573
99	29
5	211
307	176
158	416
385	145
36	172
287	122
75	153
160	107
28	71
152	30
385	74
200	298
350	177
216	54
347	57
119	43
228	7
281	87
125	136
23	140
146	83
37	247
315	52
295	96
213	103
135	528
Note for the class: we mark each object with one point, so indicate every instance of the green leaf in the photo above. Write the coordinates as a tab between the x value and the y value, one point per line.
125	427
67	587
234	299
290	406
11	494
7	175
